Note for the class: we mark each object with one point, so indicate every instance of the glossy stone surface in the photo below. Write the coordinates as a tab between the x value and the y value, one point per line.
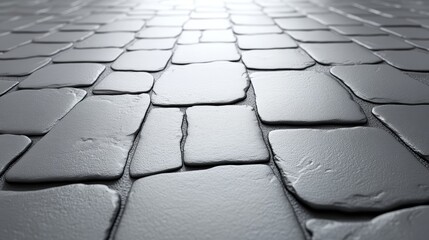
11	41
5	86
84	146
149	61
303	98
201	83
358	30
409	123
273	59
11	147
410	60
221	135
382	84
317	36
299	24
382	43
99	55
349	169
124	82
64	75
217	36
205	52
249	30
408	223
334	19
122	26
22	67
339	53
205	24
106	40
153	44
159	32
409	32
63	37
158	149
76	211
35	50
228	197
35	112
266	41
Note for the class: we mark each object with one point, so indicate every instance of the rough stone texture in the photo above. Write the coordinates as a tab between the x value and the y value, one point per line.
220	135
201	84
35	112
349	169
409	223
64	75
158	149
124	82
11	147
277	59
205	52
410	123
303	98
75	211
150	61
22	67
227	198
84	146
410	60
382	84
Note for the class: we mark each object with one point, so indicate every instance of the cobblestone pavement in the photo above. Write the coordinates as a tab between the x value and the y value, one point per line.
211	119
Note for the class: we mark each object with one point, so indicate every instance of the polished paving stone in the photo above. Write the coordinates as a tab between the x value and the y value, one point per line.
11	147
201	84
158	149
409	123
124	83
408	223
410	60
22	67
11	41
303	98
106	40
99	55
150	61
227	197
222	135
122	26
382	43
84	146
153	44
318	37
408	32
159	32
205	52
299	24
266	41
277	59
358	30
5	86
226	36
206	24
382	84
76	211
64	75
355	174
35	112
250	30
63	37
35	50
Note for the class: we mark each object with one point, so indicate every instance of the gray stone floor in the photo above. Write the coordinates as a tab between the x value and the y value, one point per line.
323	135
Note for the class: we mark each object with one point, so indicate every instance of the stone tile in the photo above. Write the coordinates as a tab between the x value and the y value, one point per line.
248	194
13	40
357	172
339	53
149	61
100	55
303	97
409	223
409	123
382	43
299	24
334	19
380	21
99	18
159	32
208	15
248	30
83	146
207	24
205	52
277	59
410	60
153	44
408	32
106	40
251	20
218	36
76	211
318	37
358	30
423	44
22	67
5	86
167	21
265	41
382	84
64	75
35	50
189	37
223	135
38	28
11	147
35	112
206	83
124	82
63	37
79	27
122	26
158	149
